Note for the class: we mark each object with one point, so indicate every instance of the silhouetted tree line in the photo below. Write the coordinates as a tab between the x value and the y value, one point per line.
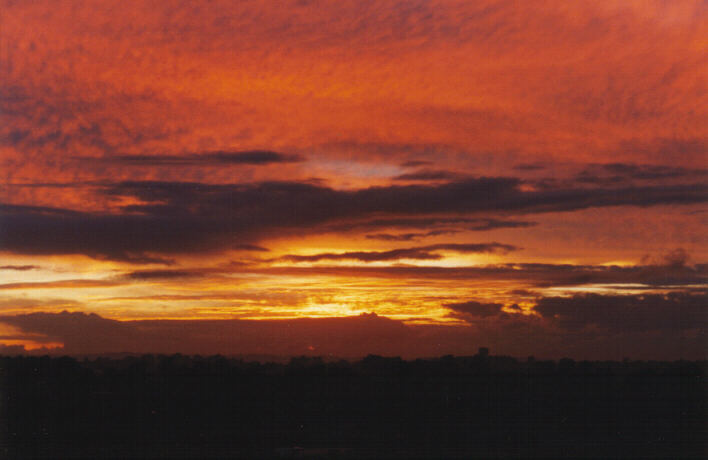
171	406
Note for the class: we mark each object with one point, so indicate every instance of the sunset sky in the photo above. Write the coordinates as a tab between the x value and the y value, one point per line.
350	177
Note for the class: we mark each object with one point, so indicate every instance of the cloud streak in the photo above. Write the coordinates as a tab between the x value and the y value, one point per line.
428	252
534	274
429	175
220	158
20	268
180	217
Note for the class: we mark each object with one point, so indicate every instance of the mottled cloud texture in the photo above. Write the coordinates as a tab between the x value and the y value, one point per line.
471	172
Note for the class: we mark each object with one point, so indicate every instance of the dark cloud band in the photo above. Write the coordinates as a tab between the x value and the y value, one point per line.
180	217
218	158
420	253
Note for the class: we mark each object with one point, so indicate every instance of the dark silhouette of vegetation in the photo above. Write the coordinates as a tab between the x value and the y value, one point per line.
479	406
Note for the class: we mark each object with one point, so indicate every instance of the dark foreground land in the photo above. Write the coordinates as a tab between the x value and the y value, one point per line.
465	407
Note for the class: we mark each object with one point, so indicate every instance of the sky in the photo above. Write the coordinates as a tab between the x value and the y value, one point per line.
341	178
